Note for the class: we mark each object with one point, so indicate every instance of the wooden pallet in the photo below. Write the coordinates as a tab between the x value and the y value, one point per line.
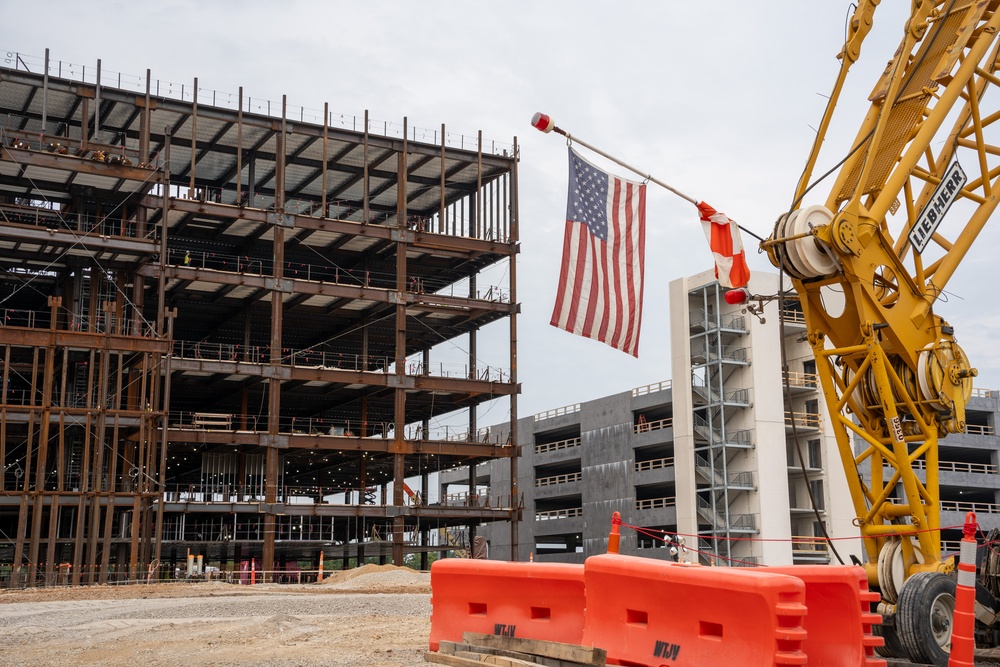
476	650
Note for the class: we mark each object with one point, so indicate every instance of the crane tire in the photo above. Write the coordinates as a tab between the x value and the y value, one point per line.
893	647
924	616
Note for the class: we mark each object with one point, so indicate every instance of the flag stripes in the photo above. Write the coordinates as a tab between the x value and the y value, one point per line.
601	276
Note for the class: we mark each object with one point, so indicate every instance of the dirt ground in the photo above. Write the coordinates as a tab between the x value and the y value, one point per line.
373	616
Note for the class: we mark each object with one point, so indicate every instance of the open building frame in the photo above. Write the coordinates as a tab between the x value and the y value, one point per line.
220	326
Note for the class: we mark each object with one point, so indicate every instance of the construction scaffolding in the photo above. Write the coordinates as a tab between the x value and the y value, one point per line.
229	329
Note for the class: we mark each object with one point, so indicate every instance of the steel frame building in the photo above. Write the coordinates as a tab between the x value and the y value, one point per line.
217	324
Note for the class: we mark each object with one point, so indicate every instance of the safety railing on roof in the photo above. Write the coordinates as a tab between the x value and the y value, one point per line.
654	464
185	92
557	412
655	503
457	221
960	506
103	322
261	354
18	317
323	426
95	150
662	385
243	493
244	264
84	225
791	316
482	499
553	480
803	380
568	513
643	426
455	434
803	419
541	448
958	466
805	543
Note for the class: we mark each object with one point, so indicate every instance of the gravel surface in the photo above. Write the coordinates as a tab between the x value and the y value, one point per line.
375	616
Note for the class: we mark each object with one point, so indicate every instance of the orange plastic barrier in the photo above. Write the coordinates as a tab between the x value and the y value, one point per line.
531	600
839	621
648	613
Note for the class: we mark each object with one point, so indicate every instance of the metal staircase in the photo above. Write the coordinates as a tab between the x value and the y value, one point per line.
718	351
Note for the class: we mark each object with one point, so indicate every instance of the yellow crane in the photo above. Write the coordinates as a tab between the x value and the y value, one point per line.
871	262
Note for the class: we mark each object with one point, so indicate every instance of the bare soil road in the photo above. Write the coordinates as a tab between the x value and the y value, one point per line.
374	616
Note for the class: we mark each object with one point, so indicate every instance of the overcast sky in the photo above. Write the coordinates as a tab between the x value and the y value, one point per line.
716	98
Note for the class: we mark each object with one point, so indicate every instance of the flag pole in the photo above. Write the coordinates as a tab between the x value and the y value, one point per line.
543	123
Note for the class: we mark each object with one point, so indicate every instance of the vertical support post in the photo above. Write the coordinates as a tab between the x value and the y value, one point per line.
239	149
326	158
399	468
45	100
97	106
364	178
472	499
3	416
194	138
109	523
479	185
22	525
81	509
443	203
144	119
274	384
61	447
84	130
161	288
164	420
515	501
43	446
51	566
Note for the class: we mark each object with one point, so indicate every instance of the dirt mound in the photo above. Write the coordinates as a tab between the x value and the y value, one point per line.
379	579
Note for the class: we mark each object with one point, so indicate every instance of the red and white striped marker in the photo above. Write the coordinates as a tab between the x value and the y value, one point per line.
963	626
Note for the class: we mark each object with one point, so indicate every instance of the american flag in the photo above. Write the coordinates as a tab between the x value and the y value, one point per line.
600	281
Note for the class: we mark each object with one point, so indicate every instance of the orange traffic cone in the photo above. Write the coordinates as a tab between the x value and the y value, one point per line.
963	627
